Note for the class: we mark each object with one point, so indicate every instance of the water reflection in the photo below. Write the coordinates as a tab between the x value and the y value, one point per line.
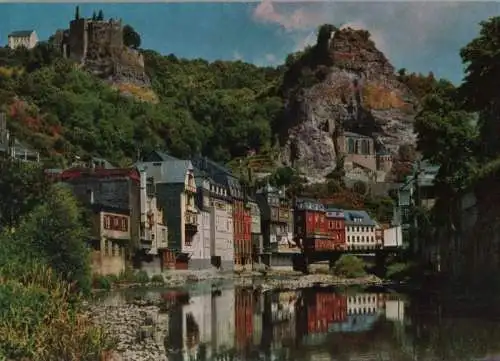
327	324
302	324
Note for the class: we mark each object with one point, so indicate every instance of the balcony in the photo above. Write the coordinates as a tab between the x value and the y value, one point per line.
162	241
191	222
191	189
191	208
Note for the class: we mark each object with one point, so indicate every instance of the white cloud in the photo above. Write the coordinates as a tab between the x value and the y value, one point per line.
298	19
271	58
237	55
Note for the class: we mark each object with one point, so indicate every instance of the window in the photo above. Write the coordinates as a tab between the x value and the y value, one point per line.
124	224
107	222
350	146
116	222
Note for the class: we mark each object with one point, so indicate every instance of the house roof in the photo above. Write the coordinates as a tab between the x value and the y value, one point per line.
75	173
172	171
310	204
355	217
220	174
20	33
356	135
267	189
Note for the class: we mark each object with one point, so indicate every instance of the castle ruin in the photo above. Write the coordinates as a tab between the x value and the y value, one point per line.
98	46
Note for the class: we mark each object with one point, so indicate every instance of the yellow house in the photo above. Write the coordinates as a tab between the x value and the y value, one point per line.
110	237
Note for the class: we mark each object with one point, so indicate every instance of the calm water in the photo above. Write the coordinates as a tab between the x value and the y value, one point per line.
225	323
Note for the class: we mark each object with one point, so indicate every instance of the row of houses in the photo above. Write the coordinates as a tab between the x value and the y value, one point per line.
168	213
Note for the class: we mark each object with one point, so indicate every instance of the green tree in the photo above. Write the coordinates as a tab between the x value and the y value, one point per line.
23	186
360	187
77	13
54	232
479	90
100	15
447	136
131	38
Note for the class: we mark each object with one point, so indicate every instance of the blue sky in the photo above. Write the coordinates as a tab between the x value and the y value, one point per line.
419	36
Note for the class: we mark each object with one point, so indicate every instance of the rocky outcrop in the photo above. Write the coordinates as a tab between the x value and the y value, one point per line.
355	89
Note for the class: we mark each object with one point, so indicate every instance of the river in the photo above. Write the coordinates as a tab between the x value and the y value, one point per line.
231	323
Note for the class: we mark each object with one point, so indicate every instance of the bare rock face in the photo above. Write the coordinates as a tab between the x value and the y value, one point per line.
356	91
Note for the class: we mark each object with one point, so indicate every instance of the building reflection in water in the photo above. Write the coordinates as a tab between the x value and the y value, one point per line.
262	325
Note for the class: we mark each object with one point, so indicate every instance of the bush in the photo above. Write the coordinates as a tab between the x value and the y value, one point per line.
38	321
157	279
141	277
400	271
102	282
54	233
349	266
128	275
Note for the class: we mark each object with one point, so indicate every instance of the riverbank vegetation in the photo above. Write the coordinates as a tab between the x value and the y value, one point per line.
459	129
44	271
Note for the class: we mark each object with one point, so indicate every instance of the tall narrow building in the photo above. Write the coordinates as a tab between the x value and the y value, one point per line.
176	192
241	210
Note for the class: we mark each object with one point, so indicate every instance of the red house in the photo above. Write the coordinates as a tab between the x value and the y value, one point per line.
311	231
336	228
326	308
242	222
243	314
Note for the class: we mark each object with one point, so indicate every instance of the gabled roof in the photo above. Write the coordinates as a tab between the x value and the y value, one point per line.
352	216
356	135
158	156
20	33
173	171
75	173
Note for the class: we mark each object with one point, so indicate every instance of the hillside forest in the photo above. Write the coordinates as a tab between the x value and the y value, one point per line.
225	109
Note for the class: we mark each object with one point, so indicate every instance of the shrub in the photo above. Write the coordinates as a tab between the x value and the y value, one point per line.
38	321
157	279
128	275
400	271
102	282
349	266
141	277
53	233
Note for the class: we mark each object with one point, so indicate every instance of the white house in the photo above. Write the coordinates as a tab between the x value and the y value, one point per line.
360	230
23	38
393	237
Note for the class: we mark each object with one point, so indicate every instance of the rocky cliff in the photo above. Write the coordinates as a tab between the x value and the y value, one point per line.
343	82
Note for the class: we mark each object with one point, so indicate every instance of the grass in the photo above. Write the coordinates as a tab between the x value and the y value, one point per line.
41	319
129	276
